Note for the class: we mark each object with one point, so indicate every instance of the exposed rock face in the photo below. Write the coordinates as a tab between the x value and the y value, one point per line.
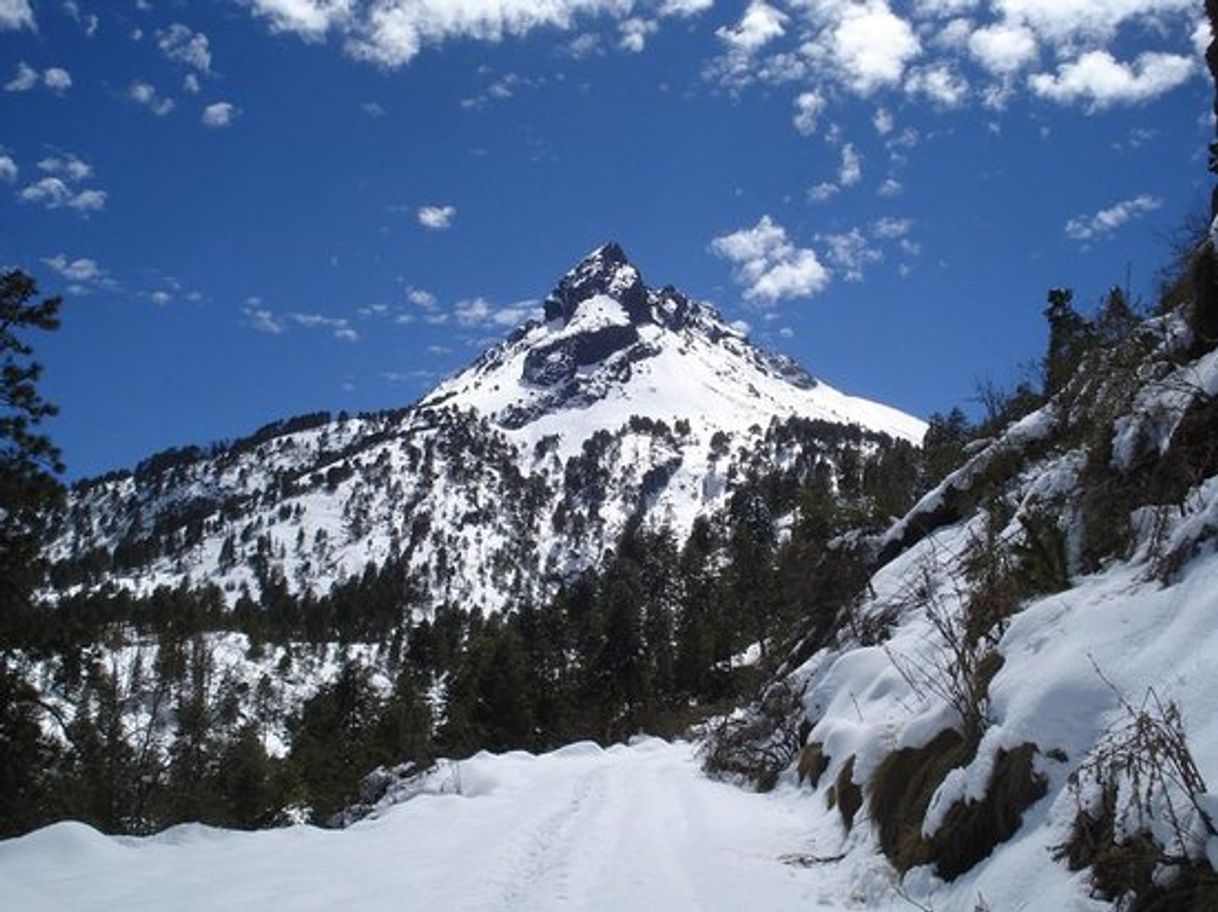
604	272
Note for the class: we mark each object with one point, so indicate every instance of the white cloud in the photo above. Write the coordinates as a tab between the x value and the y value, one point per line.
582	46
60	187
88	23
82	269
373	109
769	265
1003	49
685	7
68	166
872	46
54	193
1201	37
88	201
890	228
219	114
1106	221
955	35
479	312
883	122
941	9
437	218
57	79
634	33
850	253
25	78
16	14
1098	80
1067	21
424	299
760	24
890	188
190	84
263	320
180	44
311	19
8	168
145	94
851	170
391	33
940	83
823	192
339	327
808	108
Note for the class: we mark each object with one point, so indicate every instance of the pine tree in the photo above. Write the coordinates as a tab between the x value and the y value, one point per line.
28	459
1069	338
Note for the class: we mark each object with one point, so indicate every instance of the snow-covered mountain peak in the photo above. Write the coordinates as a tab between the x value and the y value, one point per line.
605	272
610	348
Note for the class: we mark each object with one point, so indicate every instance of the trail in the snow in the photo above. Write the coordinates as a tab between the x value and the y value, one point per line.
579	829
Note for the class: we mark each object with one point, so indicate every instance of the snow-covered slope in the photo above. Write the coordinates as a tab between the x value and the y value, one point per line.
1055	598
610	348
512	475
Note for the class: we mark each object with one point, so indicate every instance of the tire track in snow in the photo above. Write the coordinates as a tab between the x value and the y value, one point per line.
535	867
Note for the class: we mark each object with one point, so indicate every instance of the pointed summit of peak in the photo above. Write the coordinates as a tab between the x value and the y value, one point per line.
605	272
611	252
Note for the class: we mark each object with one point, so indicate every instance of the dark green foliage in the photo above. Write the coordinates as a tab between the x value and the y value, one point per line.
26	757
1041	555
1070	336
29	460
943	445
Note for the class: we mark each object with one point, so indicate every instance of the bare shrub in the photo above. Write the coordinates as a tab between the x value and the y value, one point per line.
1141	825
758	744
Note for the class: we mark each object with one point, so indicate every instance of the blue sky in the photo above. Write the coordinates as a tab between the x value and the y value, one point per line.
257	208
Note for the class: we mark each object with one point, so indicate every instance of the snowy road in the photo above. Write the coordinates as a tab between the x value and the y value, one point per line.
582	828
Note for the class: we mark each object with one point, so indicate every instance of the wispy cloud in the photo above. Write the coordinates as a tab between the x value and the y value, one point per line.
61	187
82	269
1103	223
265	320
478	312
850	253
26	78
180	44
146	95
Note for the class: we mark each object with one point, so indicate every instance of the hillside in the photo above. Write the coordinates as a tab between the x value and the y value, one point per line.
621	402
1018	709
587	532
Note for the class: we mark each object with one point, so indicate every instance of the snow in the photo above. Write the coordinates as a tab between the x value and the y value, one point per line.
633	827
1072	662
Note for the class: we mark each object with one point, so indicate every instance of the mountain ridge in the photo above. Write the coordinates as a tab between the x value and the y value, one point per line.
512	475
